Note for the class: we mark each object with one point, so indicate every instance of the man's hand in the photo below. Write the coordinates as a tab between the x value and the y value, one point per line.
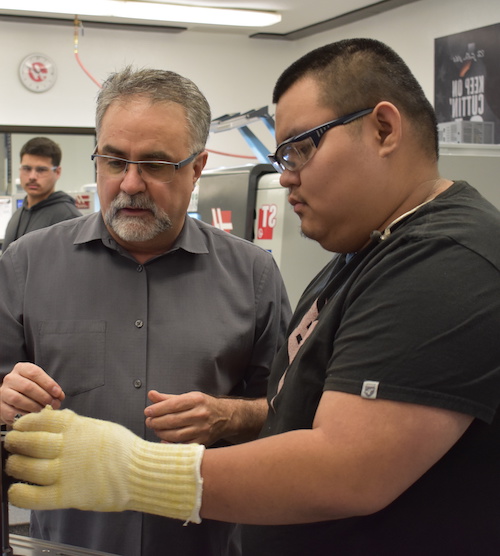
95	465
191	417
198	417
28	389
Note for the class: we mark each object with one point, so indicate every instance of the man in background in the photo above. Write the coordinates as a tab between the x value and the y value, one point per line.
43	205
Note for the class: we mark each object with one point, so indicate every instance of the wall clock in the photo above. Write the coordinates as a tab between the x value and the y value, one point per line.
38	73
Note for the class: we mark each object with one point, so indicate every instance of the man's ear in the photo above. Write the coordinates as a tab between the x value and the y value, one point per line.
388	122
198	166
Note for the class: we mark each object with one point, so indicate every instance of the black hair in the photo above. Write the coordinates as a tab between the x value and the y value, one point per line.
44	147
359	73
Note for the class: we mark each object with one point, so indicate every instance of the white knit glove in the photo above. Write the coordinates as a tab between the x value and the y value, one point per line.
95	465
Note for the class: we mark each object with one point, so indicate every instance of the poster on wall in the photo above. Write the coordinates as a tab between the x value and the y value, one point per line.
467	86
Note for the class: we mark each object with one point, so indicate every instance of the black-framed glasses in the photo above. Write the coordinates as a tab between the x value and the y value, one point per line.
295	152
39	170
160	171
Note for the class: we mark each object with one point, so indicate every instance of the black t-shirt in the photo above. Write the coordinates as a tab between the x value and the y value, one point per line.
412	318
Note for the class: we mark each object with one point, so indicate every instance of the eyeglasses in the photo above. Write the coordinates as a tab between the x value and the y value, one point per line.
295	152
39	170
159	171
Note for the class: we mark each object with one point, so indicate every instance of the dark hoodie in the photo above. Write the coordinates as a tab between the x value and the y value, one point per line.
56	207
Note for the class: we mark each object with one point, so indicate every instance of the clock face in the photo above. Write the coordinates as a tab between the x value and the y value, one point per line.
37	73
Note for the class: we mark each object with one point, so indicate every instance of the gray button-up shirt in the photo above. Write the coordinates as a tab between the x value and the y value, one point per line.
208	315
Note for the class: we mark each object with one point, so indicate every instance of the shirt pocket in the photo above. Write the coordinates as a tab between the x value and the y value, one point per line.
73	353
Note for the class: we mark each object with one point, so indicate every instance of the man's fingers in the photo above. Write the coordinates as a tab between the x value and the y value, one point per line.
38	376
32	497
46	420
45	445
31	470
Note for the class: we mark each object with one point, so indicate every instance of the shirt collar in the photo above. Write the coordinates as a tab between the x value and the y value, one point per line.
191	238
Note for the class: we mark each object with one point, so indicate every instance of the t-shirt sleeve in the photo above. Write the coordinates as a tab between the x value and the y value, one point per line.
423	327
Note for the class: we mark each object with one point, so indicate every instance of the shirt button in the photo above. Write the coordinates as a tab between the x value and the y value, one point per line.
139	323
140	268
137	383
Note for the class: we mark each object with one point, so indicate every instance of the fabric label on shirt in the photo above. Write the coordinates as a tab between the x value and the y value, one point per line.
369	389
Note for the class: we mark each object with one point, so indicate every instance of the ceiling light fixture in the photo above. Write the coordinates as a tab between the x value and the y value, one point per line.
158	12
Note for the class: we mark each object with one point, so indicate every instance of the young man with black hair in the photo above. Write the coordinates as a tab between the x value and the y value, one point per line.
43	205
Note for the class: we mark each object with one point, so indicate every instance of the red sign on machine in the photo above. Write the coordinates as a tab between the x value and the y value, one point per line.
82	201
267	221
222	219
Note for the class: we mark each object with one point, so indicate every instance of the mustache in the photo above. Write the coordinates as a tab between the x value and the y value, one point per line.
138	201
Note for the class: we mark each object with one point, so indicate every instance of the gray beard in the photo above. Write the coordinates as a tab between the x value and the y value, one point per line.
132	228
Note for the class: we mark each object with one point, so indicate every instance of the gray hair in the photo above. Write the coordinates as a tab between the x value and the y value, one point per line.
158	86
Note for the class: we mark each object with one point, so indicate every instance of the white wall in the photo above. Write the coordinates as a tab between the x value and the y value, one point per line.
236	73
